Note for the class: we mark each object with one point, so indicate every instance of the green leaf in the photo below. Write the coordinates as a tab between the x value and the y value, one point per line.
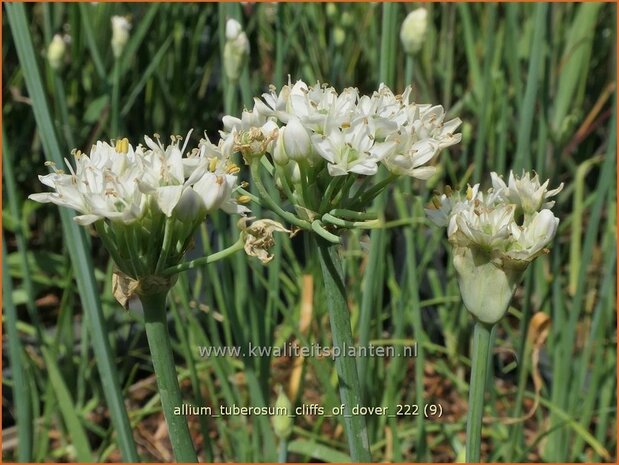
94	110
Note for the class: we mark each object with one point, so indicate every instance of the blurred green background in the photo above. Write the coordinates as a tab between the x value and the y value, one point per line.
535	87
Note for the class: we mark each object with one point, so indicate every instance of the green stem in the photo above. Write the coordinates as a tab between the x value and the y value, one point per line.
282	453
115	100
479	372
376	189
238	245
165	371
350	392
167	243
264	196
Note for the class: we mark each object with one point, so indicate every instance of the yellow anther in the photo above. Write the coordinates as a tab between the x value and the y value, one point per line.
122	145
212	164
49	163
469	193
244	184
233	169
244	199
436	202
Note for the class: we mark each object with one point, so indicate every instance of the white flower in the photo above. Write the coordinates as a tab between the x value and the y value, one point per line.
430	124
351	150
526	192
120	34
296	140
413	30
409	158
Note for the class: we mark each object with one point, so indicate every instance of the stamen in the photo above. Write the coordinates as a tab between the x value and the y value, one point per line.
233	169
122	145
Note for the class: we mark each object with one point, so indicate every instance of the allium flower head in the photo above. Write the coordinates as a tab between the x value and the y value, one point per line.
418	132
145	194
321	140
493	243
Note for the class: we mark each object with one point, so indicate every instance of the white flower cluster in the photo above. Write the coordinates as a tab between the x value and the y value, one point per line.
495	235
510	221
350	133
122	184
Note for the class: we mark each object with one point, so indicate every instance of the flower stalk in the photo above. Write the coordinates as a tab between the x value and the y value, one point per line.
480	355
346	367
165	371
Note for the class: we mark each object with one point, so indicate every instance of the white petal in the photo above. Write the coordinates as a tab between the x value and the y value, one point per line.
85	220
168	197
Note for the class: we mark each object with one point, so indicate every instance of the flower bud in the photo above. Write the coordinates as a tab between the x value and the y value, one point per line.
279	153
120	34
56	51
413	31
347	19
236	50
339	35
189	207
486	285
331	10
297	142
282	423
233	29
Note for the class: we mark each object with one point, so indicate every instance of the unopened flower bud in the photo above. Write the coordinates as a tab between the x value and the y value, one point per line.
347	19
233	29
339	35
279	153
486	285
331	10
413	31
236	49
56	51
120	34
297	142
282	423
